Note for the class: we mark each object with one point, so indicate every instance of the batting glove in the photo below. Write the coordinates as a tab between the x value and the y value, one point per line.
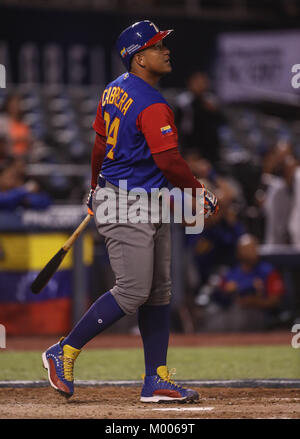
89	202
211	206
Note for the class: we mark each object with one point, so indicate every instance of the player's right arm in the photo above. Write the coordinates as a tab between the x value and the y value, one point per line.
98	154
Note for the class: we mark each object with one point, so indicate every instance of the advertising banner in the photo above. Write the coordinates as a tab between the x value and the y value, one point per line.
258	65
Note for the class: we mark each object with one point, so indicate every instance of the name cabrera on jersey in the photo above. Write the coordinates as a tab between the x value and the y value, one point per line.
137	122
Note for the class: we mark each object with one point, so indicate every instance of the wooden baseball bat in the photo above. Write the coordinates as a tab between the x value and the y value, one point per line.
47	272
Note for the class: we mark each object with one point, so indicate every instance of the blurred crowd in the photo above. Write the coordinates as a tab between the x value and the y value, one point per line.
259	195
257	182
16	141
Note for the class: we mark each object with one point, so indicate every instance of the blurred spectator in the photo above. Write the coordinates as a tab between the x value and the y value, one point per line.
250	294
11	124
279	196
16	192
216	245
4	149
225	188
273	195
206	255
198	118
200	167
291	174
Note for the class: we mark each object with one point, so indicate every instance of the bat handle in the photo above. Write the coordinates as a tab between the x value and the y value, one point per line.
68	244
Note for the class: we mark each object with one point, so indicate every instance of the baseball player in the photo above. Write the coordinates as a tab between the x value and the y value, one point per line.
136	142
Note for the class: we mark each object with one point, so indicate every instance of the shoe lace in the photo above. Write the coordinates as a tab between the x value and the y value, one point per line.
168	378
171	373
68	365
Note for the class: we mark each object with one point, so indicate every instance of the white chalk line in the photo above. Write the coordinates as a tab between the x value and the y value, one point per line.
254	383
184	409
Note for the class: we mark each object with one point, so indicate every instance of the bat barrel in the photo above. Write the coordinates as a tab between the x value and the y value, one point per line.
47	272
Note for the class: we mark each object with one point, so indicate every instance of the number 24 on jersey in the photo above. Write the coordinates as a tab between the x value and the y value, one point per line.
112	130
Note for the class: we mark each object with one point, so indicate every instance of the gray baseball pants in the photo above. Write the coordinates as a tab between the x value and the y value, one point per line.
140	257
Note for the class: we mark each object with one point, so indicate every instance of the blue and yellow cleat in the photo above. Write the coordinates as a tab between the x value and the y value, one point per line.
59	361
160	388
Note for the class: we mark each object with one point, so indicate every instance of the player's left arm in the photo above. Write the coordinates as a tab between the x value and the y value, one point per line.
157	124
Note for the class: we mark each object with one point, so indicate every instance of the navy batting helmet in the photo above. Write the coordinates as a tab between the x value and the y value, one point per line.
137	37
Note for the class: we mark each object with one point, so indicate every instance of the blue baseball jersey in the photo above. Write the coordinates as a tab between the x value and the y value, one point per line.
137	121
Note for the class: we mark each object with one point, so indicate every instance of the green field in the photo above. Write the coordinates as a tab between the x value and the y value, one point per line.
190	363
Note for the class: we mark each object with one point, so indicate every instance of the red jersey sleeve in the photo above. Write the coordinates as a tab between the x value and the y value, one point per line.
98	155
99	125
156	122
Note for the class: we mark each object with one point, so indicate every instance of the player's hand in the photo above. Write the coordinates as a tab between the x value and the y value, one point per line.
211	205
89	202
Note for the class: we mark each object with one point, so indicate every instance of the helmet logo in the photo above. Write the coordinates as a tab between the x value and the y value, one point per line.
123	52
133	48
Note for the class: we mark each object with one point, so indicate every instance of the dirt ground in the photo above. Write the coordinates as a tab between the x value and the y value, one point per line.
112	402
